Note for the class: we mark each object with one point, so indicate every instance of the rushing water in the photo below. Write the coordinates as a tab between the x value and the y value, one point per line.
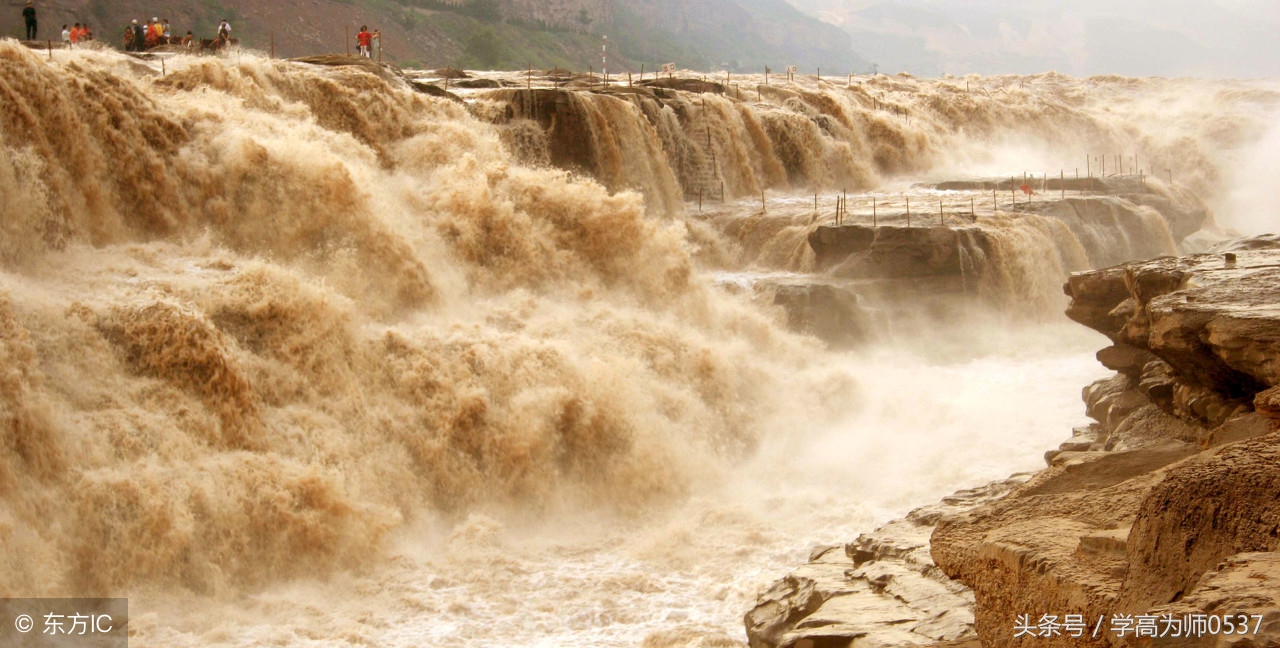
299	356
683	576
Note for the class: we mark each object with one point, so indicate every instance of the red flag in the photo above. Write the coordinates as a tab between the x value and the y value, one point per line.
1026	189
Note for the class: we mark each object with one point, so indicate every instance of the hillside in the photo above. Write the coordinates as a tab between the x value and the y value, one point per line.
505	34
1213	38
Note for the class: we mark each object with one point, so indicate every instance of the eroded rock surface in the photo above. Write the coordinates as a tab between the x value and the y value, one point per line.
1170	502
882	589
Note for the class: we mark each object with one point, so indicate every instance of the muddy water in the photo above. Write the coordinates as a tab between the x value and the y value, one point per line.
299	356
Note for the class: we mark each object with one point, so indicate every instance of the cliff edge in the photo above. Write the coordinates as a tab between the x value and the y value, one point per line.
1169	505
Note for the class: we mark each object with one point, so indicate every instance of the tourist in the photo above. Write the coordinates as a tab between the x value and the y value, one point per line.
86	34
66	35
153	33
364	41
127	41
139	37
29	16
166	32
224	30
188	41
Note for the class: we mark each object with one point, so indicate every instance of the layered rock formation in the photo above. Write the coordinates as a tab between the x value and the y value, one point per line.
1170	503
882	589
1165	508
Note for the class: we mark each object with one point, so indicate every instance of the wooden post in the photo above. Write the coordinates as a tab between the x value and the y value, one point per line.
973	216
873	213
699	199
815	202
908	211
50	44
642	72
348	29
766	75
942	220
628	79
446	82
764	207
163	71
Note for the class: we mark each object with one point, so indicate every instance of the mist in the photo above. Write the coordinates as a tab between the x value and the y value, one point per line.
1212	38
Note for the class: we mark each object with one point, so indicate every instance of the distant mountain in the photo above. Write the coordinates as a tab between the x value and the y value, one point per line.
742	35
1215	38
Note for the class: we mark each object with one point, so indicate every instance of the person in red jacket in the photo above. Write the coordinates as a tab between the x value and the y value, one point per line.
365	41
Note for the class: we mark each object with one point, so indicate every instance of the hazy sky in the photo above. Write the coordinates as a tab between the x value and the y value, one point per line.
1220	38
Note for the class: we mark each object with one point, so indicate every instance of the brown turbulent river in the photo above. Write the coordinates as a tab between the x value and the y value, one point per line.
296	355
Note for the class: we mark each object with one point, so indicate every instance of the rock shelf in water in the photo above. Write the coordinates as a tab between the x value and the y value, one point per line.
1169	504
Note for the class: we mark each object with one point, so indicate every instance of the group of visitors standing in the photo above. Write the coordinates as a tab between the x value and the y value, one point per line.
77	34
140	38
137	37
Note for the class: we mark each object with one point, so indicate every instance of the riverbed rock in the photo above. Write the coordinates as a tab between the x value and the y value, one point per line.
1179	511
892	252
882	589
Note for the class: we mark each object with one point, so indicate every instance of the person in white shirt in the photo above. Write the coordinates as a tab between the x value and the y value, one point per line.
66	35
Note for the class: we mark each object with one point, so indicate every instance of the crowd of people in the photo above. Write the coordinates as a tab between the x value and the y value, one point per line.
137	37
140	38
